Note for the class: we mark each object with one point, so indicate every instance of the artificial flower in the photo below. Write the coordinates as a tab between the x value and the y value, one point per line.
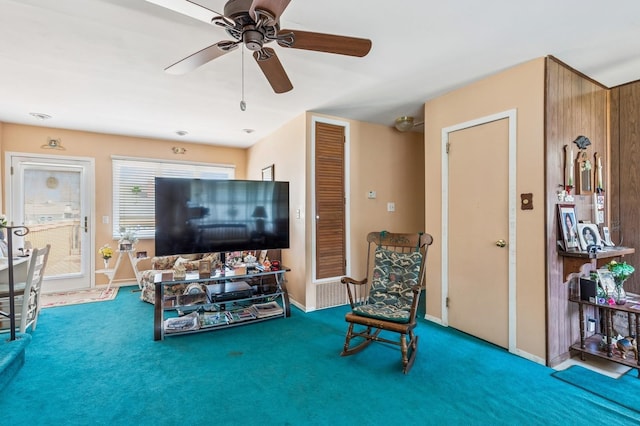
620	270
106	251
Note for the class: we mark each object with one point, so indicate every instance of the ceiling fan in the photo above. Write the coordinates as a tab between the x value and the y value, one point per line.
254	24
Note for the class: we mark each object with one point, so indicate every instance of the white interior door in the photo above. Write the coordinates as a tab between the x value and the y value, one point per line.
52	197
479	238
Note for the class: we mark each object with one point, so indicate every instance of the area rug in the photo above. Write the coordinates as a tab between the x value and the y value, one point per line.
624	391
50	300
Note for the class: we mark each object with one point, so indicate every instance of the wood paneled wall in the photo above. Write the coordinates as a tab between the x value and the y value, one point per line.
575	105
625	173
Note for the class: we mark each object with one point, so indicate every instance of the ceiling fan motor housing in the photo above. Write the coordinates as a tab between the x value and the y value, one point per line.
252	38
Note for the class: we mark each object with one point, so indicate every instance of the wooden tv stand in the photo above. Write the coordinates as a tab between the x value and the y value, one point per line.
229	308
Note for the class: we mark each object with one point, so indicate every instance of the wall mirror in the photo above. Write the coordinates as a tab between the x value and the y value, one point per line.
585	177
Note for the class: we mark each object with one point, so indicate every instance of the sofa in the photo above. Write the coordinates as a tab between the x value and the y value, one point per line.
167	264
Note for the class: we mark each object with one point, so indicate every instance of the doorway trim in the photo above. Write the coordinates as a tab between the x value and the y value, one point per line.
511	115
313	282
88	270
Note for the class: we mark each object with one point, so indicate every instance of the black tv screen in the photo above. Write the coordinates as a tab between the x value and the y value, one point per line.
201	216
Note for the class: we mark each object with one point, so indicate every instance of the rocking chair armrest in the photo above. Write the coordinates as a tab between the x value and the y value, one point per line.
414	305
349	280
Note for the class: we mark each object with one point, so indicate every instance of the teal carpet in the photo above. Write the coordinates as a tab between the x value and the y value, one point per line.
98	364
624	391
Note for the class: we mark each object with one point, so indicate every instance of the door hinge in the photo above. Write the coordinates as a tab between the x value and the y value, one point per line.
448	146
11	171
446	302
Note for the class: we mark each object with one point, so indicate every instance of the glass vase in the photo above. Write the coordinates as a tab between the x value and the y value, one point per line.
106	263
619	295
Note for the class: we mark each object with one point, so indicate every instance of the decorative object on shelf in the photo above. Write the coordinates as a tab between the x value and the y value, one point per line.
568	226
627	344
106	252
599	181
621	272
266	264
569	172
204	268
607	285
127	239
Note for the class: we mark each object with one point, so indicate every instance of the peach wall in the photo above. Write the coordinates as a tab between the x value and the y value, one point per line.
522	88
285	149
28	139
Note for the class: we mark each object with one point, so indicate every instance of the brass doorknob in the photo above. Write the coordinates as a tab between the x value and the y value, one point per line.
501	243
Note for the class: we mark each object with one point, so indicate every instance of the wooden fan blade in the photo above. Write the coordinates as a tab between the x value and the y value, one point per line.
272	69
328	43
201	57
276	7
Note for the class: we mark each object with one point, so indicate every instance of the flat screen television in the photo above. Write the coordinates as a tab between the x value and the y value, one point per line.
202	216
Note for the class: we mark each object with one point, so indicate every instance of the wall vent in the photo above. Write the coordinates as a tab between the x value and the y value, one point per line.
330	294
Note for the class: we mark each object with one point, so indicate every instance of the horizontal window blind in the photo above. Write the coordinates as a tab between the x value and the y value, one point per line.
134	189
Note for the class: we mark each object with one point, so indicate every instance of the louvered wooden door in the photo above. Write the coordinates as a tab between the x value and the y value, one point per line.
330	201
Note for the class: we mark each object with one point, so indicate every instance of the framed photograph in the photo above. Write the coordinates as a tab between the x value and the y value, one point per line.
589	235
569	226
607	282
141	254
267	173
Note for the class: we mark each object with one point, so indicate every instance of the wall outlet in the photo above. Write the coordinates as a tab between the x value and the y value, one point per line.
105	220
371	195
391	207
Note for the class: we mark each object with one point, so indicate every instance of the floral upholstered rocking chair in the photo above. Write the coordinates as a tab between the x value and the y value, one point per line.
387	299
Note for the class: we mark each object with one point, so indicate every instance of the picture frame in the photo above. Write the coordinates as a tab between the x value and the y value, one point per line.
141	255
268	173
568	226
589	235
606	281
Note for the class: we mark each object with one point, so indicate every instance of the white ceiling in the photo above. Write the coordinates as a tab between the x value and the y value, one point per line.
97	65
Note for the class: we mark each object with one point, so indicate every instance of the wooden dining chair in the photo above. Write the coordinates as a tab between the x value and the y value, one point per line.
27	293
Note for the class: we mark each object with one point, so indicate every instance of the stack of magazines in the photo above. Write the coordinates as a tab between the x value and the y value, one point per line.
183	323
264	310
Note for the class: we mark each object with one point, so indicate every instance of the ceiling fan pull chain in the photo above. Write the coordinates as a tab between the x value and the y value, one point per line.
243	104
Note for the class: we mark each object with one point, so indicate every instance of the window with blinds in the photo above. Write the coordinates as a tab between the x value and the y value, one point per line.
134	189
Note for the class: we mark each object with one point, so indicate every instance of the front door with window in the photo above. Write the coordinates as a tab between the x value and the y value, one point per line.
51	196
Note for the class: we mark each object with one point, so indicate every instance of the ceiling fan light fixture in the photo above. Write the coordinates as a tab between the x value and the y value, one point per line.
404	123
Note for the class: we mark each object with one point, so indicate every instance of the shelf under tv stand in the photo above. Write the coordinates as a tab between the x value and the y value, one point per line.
228	307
